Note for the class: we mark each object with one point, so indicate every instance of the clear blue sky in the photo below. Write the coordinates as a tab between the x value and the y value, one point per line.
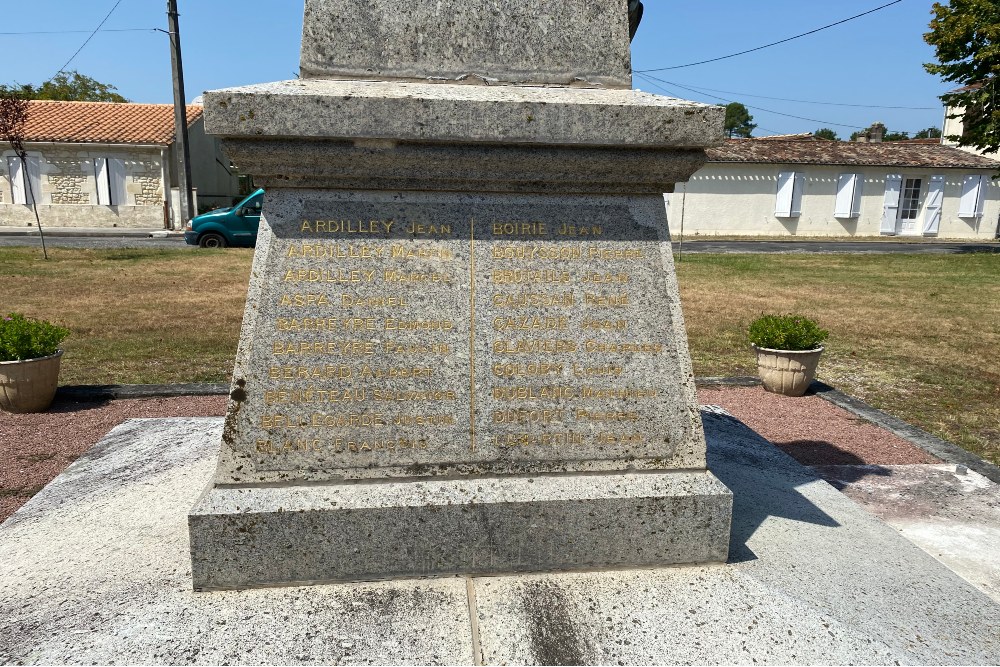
874	60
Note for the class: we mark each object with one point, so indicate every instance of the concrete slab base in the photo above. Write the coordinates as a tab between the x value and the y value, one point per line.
97	570
243	537
949	511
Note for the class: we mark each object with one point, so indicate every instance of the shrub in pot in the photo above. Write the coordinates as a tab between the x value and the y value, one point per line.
788	349
29	363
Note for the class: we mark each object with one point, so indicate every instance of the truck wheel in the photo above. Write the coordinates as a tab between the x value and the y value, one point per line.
212	241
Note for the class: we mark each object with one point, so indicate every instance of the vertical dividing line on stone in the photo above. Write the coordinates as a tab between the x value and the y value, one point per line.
477	647
472	334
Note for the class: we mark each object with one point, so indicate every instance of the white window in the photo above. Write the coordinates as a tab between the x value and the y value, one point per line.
909	199
788	203
932	209
971	203
849	188
20	190
109	174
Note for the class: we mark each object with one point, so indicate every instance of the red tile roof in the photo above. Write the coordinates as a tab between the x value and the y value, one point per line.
103	122
885	154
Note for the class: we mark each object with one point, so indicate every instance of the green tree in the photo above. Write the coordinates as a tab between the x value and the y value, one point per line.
896	136
929	133
965	35
739	122
66	87
826	133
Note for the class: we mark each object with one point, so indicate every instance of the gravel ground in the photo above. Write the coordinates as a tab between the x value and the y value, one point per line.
35	448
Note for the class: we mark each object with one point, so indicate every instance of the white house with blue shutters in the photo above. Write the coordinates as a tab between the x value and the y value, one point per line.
801	186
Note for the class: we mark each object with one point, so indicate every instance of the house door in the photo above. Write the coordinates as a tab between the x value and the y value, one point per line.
909	208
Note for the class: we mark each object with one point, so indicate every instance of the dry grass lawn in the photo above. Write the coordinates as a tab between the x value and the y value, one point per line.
136	316
915	335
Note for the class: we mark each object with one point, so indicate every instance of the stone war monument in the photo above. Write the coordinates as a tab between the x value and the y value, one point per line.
463	349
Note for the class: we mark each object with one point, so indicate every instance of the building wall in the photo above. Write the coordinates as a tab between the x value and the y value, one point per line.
739	199
954	127
217	183
68	196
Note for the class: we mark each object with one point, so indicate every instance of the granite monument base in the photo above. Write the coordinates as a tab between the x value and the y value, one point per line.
246	537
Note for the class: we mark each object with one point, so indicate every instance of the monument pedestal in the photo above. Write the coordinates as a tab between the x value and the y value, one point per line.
463	349
243	537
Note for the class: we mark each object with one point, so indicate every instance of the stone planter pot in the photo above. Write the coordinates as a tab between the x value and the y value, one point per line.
787	372
29	385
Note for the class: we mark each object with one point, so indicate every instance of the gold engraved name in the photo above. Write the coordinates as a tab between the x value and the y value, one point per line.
395	347
411	395
532	252
519	228
423	420
333	251
314	395
530	323
549	439
338	445
618	393
533	300
420	229
606	300
584	415
347	226
525	416
326	324
304	300
553	392
414	277
338	347
614	253
323	420
527	370
580	230
328	276
392	324
604	325
605	278
325	372
516	276
623	348
378	301
534	346
410	251
395	372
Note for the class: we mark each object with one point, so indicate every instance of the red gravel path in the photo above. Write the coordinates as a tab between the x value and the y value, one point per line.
35	448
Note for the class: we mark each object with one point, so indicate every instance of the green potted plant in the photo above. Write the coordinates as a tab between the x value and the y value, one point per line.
788	348
29	363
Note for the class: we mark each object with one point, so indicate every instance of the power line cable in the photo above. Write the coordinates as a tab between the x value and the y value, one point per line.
833	104
813	120
652	81
87	41
72	32
781	41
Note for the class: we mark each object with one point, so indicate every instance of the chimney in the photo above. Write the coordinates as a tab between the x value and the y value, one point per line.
876	133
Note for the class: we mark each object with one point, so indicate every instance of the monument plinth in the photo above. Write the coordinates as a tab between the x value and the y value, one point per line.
463	350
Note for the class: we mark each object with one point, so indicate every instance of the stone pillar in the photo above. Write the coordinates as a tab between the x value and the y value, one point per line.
463	349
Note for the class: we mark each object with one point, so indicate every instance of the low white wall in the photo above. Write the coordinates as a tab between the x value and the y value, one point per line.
739	199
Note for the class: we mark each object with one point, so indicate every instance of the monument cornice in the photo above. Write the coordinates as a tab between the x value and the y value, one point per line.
456	113
385	165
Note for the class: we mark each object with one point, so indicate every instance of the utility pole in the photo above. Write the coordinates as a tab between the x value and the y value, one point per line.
180	118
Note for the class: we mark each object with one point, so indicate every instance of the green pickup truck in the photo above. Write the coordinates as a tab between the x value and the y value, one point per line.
233	226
